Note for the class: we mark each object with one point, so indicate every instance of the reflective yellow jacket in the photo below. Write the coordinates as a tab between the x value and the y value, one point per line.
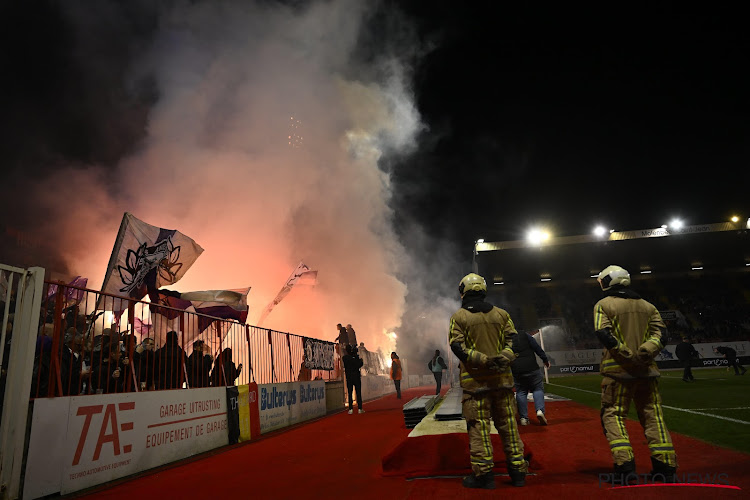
632	321
482	335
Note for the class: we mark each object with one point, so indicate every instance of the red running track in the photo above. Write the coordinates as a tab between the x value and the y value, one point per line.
339	456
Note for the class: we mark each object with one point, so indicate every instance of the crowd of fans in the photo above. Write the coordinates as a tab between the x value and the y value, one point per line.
705	309
112	362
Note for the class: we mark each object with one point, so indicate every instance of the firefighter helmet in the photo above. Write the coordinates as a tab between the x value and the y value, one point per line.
472	282
613	275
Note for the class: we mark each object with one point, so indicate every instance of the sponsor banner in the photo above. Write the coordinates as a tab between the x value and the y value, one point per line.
233	414
318	354
375	386
282	405
594	356
668	315
247	412
705	350
116	435
577	357
573	369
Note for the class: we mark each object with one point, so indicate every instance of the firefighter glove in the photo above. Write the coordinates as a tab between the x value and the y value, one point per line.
648	351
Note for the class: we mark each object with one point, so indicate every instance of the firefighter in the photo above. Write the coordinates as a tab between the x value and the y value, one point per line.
481	337
631	330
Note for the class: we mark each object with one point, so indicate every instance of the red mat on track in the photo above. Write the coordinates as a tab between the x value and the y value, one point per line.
440	455
340	456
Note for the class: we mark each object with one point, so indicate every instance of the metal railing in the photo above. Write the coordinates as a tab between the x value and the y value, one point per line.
95	343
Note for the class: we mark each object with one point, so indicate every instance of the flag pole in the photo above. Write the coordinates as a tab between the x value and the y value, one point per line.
113	256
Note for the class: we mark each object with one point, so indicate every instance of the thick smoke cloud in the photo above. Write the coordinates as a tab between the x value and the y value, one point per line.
262	140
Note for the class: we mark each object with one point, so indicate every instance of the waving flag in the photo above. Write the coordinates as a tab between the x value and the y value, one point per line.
227	304
71	294
224	304
143	329
146	257
302	275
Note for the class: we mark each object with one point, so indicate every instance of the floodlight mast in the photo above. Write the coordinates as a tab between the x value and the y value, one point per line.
474	264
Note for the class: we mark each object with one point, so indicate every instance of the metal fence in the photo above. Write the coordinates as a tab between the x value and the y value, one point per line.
95	343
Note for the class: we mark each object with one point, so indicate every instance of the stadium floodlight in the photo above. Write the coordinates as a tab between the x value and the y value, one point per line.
594	276
699	268
646	272
537	236
499	283
676	224
546	279
599	231
480	240
611	231
735	218
663	226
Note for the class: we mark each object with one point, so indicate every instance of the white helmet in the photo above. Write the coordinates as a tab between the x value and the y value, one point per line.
472	282
613	275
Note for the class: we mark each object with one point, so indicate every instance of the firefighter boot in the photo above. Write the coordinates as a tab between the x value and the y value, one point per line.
517	477
485	481
660	469
624	474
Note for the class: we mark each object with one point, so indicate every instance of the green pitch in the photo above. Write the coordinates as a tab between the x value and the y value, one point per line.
714	408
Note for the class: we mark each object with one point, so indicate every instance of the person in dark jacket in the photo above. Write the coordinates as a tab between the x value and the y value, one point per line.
107	369
686	353
352	364
436	366
527	376
225	372
199	366
732	359
145	366
170	363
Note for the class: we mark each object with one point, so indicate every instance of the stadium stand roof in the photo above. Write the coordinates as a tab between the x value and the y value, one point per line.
717	248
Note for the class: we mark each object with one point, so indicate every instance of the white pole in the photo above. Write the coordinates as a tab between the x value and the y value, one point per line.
541	342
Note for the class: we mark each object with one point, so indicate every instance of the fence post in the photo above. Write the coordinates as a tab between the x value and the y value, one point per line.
18	381
291	367
249	354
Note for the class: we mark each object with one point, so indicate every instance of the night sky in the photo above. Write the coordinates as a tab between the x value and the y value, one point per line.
572	117
556	116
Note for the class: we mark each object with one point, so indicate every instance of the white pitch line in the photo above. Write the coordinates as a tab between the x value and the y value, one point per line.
735	408
694	412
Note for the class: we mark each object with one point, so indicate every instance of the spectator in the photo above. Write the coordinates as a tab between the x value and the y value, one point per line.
351	335
71	363
106	369
343	338
146	364
731	357
199	366
686	353
436	365
225	372
130	361
396	373
170	363
352	364
527	376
